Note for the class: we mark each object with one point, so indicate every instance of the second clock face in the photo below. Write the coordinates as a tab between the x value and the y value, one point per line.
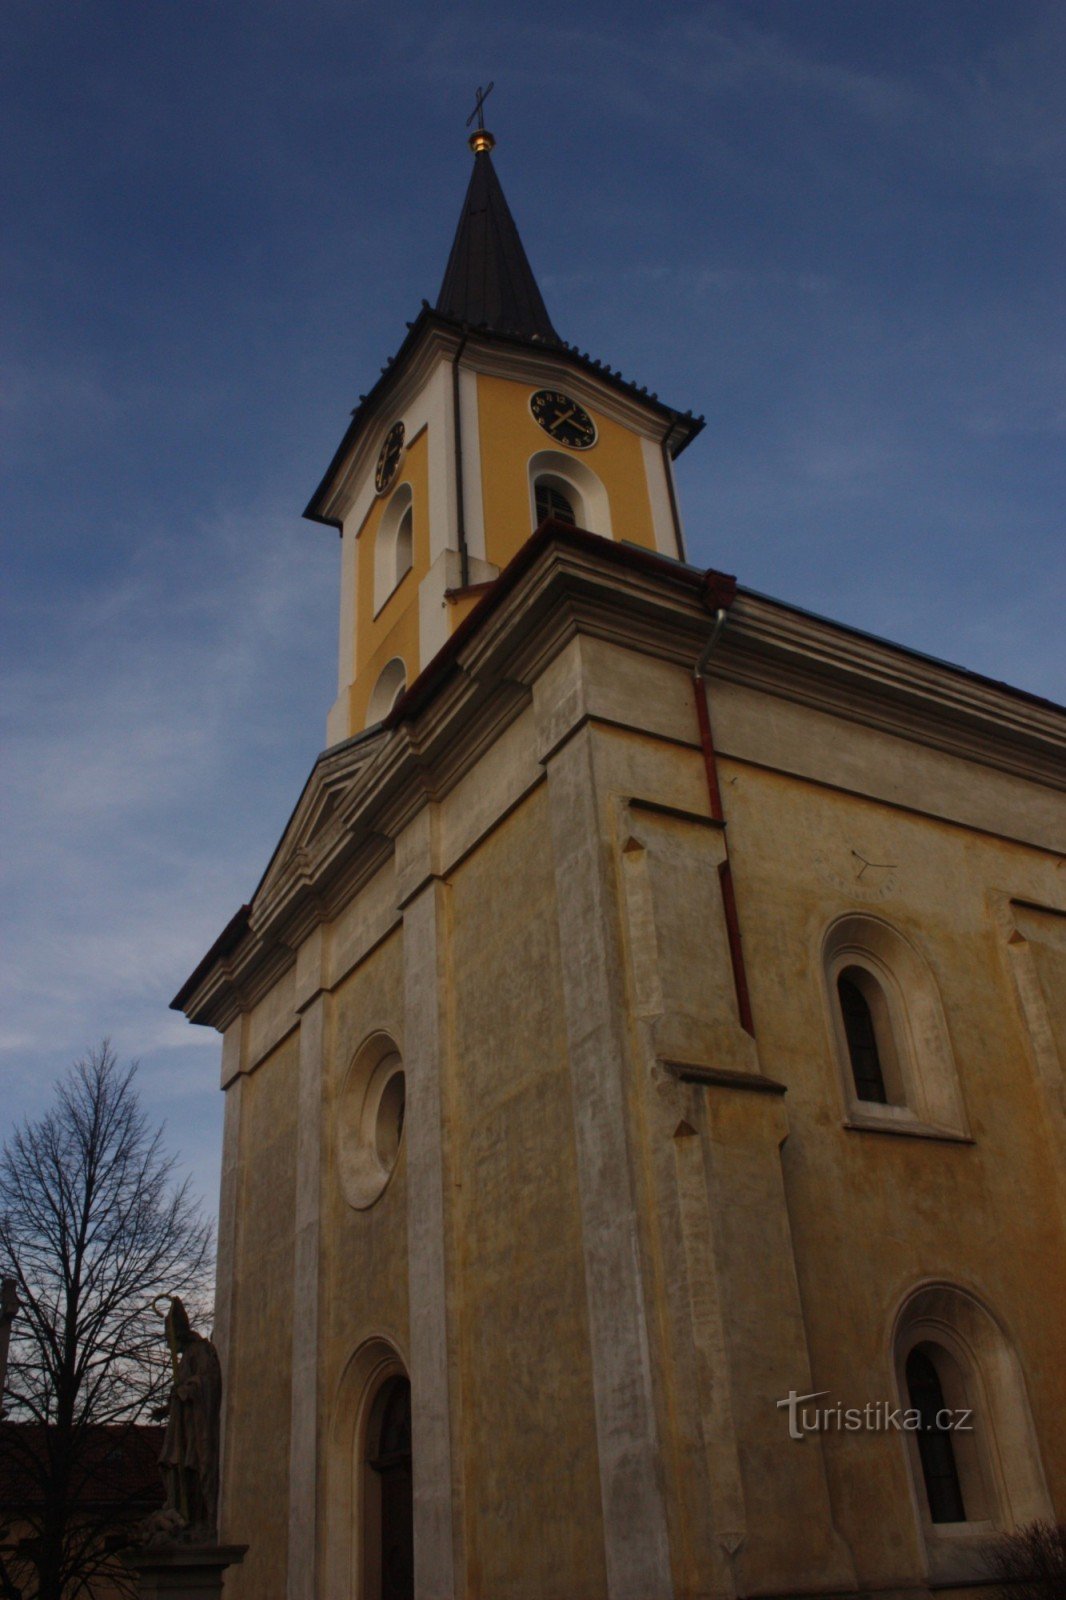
389	459
563	419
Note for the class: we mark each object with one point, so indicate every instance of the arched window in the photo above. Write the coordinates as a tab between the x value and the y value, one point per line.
567	488
973	1457
394	545
404	543
935	1449
861	997
550	501
392	681
389	1534
889	1031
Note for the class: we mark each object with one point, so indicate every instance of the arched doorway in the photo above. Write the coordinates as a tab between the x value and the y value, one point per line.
388	1500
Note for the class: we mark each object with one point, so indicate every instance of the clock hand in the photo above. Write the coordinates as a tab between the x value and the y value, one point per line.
564	418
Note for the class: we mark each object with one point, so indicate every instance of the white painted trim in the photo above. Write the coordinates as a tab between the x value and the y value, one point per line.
662	516
434	622
473	490
434	409
357	469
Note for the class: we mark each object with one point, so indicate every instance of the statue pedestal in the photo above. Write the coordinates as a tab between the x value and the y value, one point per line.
183	1571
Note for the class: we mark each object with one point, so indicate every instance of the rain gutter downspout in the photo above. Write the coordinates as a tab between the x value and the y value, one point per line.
460	499
714	793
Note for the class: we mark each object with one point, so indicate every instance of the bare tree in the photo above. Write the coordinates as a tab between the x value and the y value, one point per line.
93	1228
1030	1563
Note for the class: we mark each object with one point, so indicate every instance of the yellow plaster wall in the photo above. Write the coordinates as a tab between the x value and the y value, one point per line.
256	1495
874	1214
509	436
394	630
869	1216
528	1442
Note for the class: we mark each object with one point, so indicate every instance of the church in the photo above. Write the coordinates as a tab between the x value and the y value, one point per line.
645	1135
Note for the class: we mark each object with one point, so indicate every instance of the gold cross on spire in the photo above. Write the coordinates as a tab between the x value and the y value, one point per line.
480	139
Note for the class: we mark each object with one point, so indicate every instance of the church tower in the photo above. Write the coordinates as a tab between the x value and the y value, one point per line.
484	424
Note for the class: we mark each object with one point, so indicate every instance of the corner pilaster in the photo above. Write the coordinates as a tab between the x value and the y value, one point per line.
423	897
637	1550
314	1006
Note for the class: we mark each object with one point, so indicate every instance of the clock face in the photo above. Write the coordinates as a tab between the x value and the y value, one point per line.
563	419
389	459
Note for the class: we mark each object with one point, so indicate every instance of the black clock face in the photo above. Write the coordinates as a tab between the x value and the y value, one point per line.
563	419
389	459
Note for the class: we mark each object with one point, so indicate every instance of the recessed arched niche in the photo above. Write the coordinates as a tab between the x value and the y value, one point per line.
394	545
369	1121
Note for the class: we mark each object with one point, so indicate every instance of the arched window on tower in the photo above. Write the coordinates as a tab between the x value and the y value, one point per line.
404	543
394	545
566	488
550	501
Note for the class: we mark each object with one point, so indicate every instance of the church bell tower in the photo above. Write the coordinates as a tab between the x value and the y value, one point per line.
484	424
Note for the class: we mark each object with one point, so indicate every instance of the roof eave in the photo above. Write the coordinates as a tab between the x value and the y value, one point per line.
681	427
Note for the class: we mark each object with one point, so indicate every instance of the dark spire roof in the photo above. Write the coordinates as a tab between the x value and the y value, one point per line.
488	282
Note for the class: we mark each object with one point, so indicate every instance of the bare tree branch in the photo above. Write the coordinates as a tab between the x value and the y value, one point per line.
93	1228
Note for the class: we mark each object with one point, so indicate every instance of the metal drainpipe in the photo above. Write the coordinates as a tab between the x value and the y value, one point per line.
460	501
714	792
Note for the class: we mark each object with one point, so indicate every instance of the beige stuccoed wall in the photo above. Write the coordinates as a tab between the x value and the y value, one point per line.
533	1520
753	1242
874	1214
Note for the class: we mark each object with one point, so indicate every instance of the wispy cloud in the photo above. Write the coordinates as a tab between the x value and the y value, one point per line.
145	709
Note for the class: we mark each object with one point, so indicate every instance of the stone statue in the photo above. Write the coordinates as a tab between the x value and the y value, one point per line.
190	1452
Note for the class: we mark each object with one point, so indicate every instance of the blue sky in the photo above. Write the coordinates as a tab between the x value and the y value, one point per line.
833	226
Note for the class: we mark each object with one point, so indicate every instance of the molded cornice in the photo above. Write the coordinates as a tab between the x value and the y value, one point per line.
432	337
363	793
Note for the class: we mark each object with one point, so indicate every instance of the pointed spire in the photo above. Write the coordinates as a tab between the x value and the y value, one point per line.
488	281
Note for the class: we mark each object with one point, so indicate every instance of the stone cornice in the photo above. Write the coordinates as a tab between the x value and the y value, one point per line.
363	793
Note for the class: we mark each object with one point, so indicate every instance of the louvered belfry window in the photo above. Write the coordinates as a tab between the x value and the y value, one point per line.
551	502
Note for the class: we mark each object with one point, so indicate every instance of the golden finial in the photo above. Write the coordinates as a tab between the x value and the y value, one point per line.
481	139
